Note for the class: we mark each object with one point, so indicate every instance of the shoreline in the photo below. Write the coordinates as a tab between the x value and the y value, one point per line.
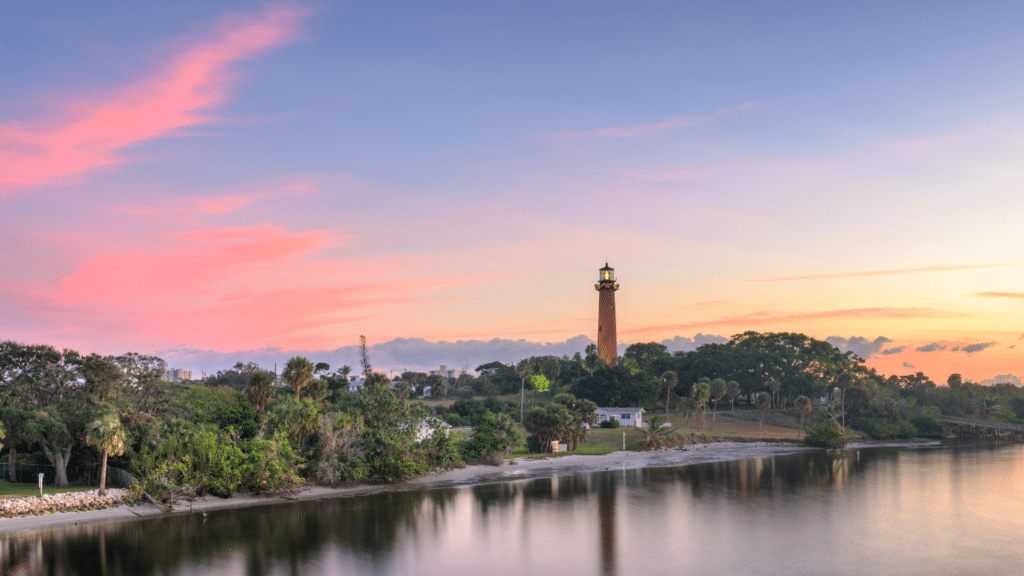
520	469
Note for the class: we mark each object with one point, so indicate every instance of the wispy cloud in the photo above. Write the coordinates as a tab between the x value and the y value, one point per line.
836	275
908	365
933	347
972	348
225	286
89	137
894	350
213	205
646	129
759	318
1016	295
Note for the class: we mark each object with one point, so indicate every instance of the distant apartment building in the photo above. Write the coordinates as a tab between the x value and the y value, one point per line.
447	372
177	375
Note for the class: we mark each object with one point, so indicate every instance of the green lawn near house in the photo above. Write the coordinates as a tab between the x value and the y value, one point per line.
14	490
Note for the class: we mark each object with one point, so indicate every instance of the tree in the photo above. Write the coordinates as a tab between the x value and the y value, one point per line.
49	387
655	435
989	408
492	436
687	407
379	380
616	386
260	390
955	381
105	432
763	402
803	406
669	381
791	364
844	382
144	388
584	415
438	387
523	369
297	373
717	389
651	357
550	368
540	383
364	357
731	392
103	377
700	393
547	423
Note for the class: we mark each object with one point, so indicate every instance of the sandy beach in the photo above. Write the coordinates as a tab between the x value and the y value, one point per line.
524	468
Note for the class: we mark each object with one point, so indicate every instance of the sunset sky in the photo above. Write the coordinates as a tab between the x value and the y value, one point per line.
208	180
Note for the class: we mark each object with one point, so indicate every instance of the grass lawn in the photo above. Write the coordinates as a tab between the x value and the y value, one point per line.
13	490
742	426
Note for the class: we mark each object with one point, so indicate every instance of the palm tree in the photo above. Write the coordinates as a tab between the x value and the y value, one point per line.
844	382
700	394
297	373
989	409
686	406
106	433
717	390
669	380
260	389
764	402
731	392
803	406
655	436
523	370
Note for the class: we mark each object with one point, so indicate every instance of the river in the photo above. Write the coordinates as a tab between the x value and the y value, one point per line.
880	510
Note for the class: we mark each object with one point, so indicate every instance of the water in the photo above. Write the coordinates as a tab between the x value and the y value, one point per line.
935	510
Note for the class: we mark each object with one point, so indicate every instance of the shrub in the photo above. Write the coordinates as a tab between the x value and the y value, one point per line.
928	425
881	429
609	424
533	445
491	438
269	465
827	434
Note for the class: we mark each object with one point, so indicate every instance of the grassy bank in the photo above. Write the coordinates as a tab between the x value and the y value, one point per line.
14	490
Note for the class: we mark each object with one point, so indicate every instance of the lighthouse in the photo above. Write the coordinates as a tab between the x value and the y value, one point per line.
606	341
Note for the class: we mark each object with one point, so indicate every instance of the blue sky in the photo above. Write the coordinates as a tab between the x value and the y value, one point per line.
231	177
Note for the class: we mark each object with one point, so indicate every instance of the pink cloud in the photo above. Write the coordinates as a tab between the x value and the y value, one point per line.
175	208
160	105
245	286
646	129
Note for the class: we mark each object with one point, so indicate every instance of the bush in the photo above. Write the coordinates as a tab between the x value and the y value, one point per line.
533	445
928	425
269	465
453	418
491	438
609	424
826	435
881	429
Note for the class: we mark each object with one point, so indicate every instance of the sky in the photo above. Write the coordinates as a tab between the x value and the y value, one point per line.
214	181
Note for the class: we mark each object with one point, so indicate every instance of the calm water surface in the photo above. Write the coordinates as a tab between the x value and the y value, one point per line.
936	510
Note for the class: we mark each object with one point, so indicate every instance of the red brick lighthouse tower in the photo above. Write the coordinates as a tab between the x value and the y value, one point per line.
606	341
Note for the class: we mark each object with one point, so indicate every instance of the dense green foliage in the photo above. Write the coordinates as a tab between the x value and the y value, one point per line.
245	429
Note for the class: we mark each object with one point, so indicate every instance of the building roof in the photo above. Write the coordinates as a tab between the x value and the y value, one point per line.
621	410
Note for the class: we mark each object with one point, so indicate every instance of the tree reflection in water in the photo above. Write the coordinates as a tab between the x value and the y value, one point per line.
522	526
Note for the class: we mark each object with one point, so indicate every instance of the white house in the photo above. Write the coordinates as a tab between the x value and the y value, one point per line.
426	428
625	416
356	383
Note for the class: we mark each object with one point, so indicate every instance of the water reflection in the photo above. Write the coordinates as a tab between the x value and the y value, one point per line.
718	518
